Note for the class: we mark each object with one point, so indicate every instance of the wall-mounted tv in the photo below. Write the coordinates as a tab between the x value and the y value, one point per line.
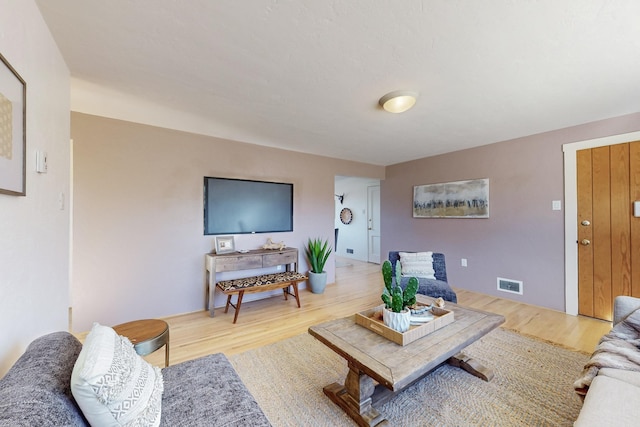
240	206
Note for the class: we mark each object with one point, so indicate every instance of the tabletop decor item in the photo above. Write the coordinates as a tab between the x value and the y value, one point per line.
396	315
273	245
225	244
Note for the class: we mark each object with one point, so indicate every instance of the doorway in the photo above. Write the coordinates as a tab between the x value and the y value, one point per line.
571	211
357	218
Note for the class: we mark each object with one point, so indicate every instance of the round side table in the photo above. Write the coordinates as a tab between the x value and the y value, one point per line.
147	336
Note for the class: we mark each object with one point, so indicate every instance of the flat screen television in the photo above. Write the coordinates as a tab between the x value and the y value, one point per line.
240	206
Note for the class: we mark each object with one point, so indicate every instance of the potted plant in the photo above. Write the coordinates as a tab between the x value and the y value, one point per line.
396	315
317	252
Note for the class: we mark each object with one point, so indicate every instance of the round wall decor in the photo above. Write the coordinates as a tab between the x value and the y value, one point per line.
346	216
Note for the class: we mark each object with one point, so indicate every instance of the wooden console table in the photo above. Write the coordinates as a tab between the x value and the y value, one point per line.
236	261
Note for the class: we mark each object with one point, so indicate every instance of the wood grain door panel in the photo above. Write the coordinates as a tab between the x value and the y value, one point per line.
609	241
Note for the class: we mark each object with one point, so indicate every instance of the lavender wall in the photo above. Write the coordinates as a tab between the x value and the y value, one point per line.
138	245
523	239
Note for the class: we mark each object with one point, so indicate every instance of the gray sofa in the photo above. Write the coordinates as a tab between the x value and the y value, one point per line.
203	392
438	288
613	398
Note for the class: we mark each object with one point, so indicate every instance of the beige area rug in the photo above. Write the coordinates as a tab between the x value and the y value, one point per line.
532	385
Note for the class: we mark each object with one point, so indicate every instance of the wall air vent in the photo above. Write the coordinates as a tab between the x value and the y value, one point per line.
509	285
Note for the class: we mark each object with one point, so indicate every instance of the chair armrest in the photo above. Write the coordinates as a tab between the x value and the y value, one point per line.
624	306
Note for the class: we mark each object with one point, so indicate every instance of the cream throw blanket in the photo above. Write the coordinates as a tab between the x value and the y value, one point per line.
620	349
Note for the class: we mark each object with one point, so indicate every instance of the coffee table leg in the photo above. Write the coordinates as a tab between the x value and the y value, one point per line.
472	366
355	398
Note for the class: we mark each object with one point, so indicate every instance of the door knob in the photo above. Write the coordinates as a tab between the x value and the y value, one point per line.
585	242
585	223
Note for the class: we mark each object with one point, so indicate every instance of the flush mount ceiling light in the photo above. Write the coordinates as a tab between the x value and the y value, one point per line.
398	101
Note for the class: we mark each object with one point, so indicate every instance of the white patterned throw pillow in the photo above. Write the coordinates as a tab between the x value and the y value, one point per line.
113	385
417	264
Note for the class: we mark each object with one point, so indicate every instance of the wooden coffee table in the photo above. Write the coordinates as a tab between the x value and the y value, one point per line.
379	368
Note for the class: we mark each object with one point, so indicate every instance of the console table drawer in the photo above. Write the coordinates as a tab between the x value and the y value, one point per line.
279	258
234	263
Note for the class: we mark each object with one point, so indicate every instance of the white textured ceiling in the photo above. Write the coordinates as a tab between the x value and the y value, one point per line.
306	75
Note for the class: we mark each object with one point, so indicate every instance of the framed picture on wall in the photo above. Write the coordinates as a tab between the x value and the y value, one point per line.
225	244
459	199
13	99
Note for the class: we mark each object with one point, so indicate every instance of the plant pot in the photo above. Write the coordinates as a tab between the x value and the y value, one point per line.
317	282
397	321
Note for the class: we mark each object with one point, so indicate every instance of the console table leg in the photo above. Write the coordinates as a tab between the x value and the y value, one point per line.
355	398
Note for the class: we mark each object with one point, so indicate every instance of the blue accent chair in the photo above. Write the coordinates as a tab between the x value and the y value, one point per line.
438	288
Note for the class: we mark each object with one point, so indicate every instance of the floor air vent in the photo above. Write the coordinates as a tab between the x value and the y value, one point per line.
509	285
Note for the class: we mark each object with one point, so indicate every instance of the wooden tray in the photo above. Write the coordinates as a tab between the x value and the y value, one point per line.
372	320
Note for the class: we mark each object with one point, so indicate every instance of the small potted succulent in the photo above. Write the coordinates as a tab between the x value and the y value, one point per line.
396	313
317	252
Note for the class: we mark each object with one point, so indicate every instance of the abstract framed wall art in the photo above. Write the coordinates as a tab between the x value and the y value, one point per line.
13	141
459	199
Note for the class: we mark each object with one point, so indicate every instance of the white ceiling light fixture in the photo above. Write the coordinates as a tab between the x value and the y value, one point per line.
398	101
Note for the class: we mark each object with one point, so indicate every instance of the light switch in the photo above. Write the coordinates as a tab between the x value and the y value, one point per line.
556	205
41	162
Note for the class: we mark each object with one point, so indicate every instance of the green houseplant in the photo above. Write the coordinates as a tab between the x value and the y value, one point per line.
396	315
317	252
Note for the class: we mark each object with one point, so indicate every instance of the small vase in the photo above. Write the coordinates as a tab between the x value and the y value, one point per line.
397	321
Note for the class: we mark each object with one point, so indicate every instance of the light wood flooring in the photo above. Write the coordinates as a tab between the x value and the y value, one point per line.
358	287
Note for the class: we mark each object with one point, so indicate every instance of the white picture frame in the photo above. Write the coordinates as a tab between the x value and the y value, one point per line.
225	244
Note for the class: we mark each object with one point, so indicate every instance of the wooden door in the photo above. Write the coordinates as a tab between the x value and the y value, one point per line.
608	233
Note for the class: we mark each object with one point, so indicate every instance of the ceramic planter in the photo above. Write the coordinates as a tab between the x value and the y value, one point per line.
317	282
397	321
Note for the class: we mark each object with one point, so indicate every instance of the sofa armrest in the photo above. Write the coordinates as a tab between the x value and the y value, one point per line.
37	389
624	306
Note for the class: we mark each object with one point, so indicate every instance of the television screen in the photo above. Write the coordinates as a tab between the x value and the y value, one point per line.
238	206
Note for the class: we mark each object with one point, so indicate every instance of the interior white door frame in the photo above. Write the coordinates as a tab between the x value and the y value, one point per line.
373	224
571	211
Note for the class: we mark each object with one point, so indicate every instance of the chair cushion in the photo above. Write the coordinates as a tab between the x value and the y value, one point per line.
433	288
113	385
